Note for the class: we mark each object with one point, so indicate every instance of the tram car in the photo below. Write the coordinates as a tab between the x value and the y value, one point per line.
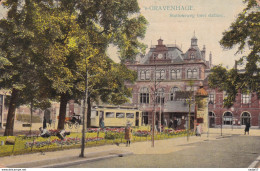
115	117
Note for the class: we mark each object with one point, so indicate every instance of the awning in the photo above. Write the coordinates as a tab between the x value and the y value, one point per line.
178	106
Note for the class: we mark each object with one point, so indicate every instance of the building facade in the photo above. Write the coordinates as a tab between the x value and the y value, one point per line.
166	73
167	81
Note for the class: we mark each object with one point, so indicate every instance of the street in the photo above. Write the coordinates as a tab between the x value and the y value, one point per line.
234	151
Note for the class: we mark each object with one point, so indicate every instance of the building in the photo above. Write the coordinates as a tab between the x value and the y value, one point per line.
175	75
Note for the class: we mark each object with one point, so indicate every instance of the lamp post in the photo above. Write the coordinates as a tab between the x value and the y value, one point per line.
84	111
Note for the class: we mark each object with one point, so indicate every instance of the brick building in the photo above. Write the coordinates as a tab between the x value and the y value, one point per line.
169	70
174	74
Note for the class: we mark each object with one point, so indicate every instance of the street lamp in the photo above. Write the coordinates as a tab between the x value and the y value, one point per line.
84	114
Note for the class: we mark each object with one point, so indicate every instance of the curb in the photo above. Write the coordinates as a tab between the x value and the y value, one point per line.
86	160
75	160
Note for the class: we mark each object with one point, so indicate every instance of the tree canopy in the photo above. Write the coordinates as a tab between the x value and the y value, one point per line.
46	46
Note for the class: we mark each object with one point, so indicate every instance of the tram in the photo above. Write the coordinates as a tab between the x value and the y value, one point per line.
115	117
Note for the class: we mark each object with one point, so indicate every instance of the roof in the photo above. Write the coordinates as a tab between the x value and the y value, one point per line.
173	53
201	92
197	53
178	106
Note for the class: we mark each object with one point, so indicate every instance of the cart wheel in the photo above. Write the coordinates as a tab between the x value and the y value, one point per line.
70	125
76	125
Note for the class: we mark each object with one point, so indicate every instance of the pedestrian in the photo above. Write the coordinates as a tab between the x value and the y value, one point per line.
175	123
102	124
198	130
50	121
165	122
247	127
128	134
44	132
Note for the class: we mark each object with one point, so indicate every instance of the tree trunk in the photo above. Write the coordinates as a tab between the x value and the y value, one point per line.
9	129
62	115
88	113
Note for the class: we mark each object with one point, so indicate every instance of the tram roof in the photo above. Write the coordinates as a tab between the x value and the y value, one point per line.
115	107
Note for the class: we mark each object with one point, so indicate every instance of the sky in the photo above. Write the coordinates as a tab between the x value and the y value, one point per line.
177	20
208	18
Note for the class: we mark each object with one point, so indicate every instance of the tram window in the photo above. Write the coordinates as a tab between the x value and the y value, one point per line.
110	114
120	115
130	115
97	113
93	114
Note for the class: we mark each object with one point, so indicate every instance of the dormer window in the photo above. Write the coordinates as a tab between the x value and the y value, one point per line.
192	56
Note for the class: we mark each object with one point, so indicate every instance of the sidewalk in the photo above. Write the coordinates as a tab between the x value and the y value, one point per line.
70	157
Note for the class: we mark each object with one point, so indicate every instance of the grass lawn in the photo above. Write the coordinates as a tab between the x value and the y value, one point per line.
25	144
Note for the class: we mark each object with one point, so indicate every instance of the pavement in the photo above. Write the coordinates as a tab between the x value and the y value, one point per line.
71	157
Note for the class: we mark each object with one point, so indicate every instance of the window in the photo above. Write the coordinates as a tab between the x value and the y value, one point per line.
192	56
160	95
172	93
130	115
211	99
142	75
227	118
145	75
245	98
160	74
93	113
120	115
178	74
110	114
144	95
245	117
189	73
175	74
192	73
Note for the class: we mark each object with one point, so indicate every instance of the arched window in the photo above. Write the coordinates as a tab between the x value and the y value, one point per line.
194	73
189	73
245	117
245	98
144	95
173	74
211	119
227	118
160	95
160	74
145	75
178	74
172	93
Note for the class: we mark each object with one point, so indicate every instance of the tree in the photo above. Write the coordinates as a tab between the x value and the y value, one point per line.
244	32
57	39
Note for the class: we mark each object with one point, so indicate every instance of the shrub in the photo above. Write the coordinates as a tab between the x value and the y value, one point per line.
113	135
